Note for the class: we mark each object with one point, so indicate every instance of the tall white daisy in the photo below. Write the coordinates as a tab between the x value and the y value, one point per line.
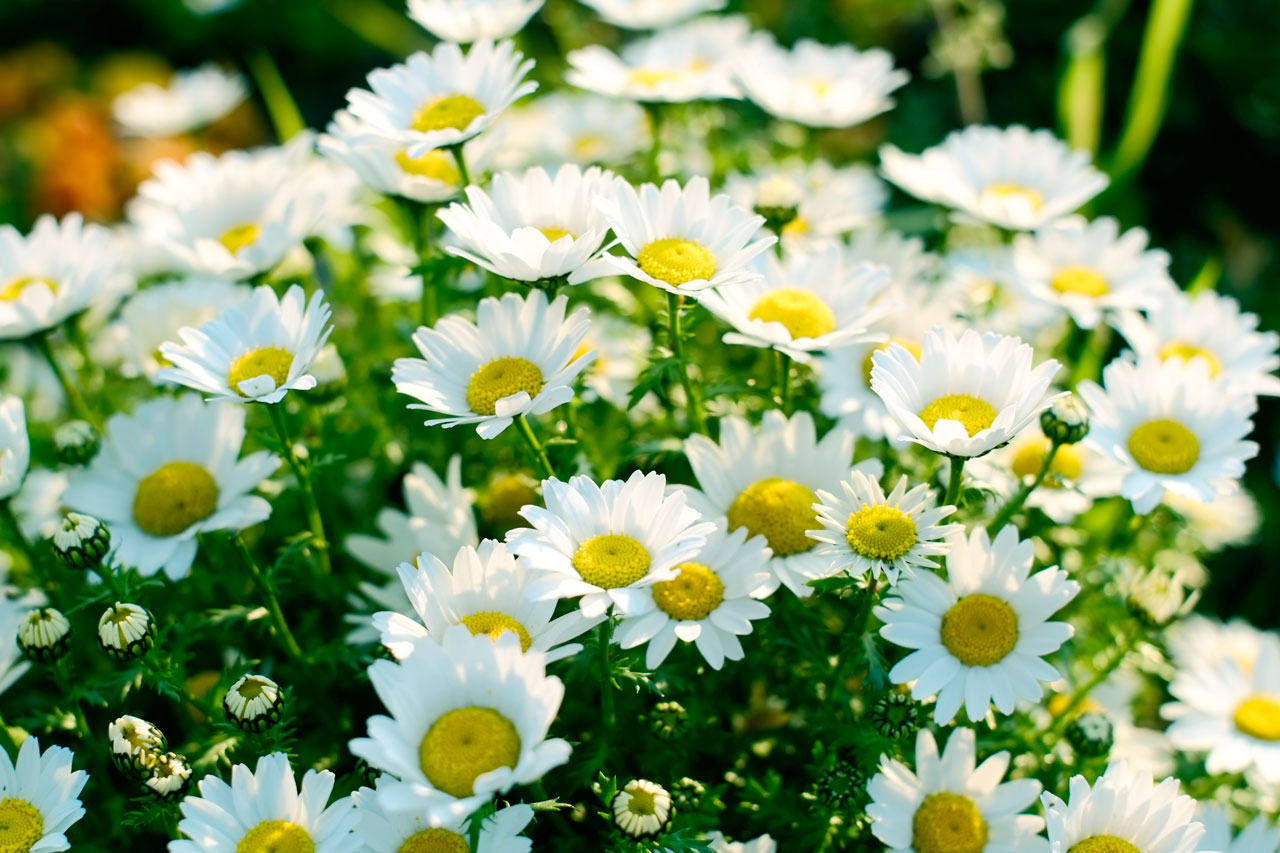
39	797
1259	836
424	830
820	200
15	446
192	98
466	21
572	127
651	14
384	164
1124	811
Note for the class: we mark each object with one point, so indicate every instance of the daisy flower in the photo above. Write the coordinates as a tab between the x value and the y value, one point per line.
264	809
765	480
39	797
651	14
1014	178
682	239
443	98
1123	812
385	829
533	226
710	601
15	446
166	473
384	164
865	530
808	302
816	199
488	591
818	85
1202	642
720	844
480	730
910	265
518	358
604	543
1260	836
951	803
192	99
1090	270
467	21
573	127
979	636
1172	427
982	286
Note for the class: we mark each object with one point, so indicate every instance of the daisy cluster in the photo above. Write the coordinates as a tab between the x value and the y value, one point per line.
520	462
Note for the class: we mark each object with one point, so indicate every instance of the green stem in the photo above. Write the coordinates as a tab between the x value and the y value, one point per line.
300	472
62	679
461	159
6	740
539	452
783	364
1118	653
606	675
1019	498
953	483
693	404
268	592
75	401
281	107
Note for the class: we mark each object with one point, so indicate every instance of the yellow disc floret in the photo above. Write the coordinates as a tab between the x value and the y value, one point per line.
506	496
276	836
1103	844
1186	351
974	414
910	346
1164	447
12	291
435	841
611	561
239	236
881	532
802	313
1027	195
499	379
448	112
554	233
780	511
692	594
1082	281
466	743
948	823
21	825
980	630
436	165
173	497
677	261
494	624
1259	717
263	361
1028	459
651	77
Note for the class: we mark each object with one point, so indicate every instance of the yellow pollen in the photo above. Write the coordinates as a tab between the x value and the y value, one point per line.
677	261
588	146
1164	447
507	496
464	744
276	836
797	227
498	380
692	594
780	510
263	361
21	825
12	291
435	841
239	236
448	112
910	346
1103	844
611	561
173	497
436	165
1029	458
1259	717
1015	191
1058	703
819	86
802	313
1187	351
973	414
554	233
980	630
1079	280
881	532
652	77
495	624
948	823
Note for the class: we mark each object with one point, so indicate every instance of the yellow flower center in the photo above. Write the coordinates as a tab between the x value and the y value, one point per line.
1028	459
464	744
554	233
1103	844
252	688
948	823
1079	280
1259	716
435	841
589	145
1016	192
263	361
973	414
21	825
1187	351
642	802
448	112
1164	447
980	630
1059	702
800	311
651	77
239	236
780	510
173	497
436	165
276	836
692	594
507	496
910	346
611	561
495	624
499	379
12	291
881	532
797	227
677	261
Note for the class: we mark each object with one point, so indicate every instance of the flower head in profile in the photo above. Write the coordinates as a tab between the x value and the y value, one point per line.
811	200
467	21
651	14
192	99
15	446
383	163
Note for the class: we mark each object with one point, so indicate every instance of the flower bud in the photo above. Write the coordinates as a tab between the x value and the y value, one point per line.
1066	421
44	634
81	541
669	720
254	703
895	715
126	631
135	744
642	808
76	442
840	784
168	776
1091	735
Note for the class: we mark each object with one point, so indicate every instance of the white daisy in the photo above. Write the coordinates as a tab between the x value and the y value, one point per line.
948	804
1124	812
604	543
825	201
978	637
1259	836
1172	427
651	14
254	352
765	479
167	473
15	446
383	163
1014	178
264	809
391	830
39	797
981	284
480	730
466	21
910	265
190	100
1202	642
720	844
572	127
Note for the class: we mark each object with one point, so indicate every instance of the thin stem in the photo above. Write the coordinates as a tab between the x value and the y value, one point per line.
539	452
784	381
953	483
268	592
1118	653
1015	503
461	159
693	404
968	76
6	740
62	679
74	399
606	675
318	539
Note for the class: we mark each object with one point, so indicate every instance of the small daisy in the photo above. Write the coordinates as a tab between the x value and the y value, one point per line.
488	591
1203	642
683	238
191	100
1124	812
1260	836
466	21
766	480
865	530
264	809
15	446
254	352
442	98
39	797
651	14
518	358
388	830
642	808
710	601
167	473
1015	178
978	637
910	265
479	731
982	285
949	805
720	844
605	543
816	199
573	127
1090	270
1171	427
808	302
818	85
963	396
